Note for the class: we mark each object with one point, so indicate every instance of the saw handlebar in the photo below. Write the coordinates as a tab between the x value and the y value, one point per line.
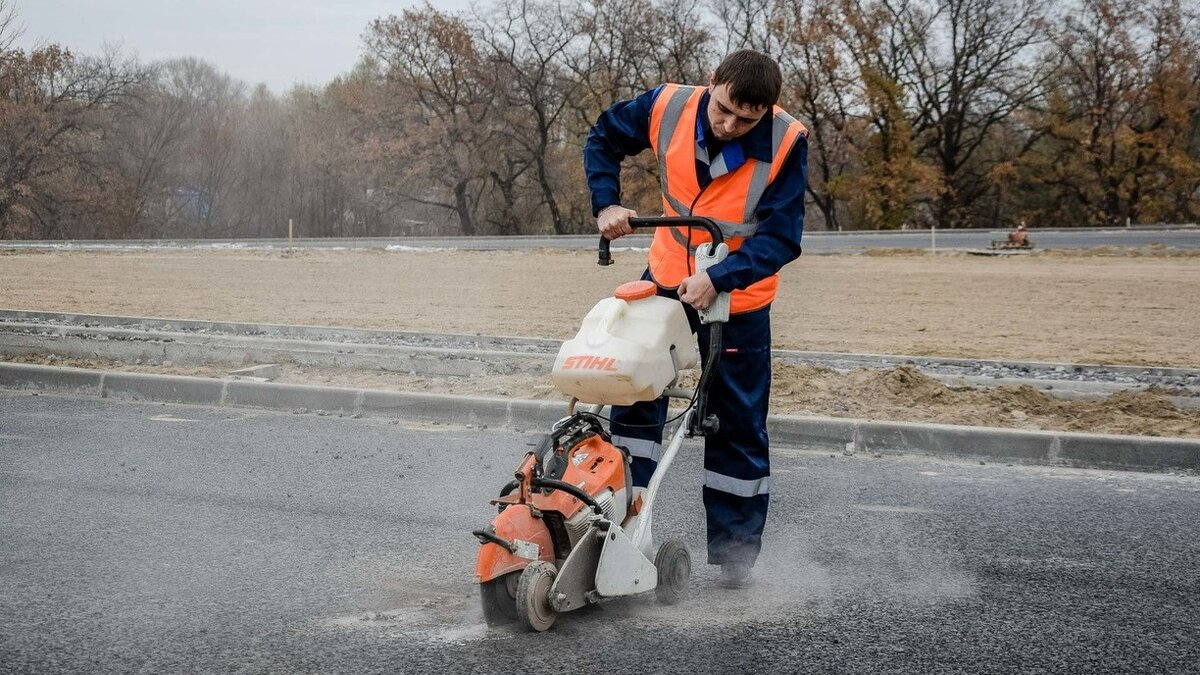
663	221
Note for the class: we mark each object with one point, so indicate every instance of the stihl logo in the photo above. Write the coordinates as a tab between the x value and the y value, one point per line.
585	362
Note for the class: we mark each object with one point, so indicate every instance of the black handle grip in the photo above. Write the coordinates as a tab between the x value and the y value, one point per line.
664	221
605	255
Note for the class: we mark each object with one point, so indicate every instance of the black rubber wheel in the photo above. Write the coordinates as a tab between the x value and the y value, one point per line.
499	598
533	596
674	565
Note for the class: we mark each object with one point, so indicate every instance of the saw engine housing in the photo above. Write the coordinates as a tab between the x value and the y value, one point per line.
559	486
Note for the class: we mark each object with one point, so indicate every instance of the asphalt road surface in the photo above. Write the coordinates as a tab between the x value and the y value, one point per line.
814	242
161	538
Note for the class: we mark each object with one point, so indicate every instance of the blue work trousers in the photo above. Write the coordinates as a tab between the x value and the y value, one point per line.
736	463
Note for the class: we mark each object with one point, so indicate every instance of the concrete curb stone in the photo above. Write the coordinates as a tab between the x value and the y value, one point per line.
72	380
162	388
276	395
846	435
1018	445
474	411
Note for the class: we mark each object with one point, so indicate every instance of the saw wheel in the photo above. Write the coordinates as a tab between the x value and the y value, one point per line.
533	596
674	565
499	598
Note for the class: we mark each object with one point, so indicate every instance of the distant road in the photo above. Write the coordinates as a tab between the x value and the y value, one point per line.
1177	238
814	242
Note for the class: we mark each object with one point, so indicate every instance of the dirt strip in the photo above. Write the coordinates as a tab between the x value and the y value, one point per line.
1045	307
1107	306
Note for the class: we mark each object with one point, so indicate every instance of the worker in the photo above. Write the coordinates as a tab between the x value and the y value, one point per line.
1019	236
727	152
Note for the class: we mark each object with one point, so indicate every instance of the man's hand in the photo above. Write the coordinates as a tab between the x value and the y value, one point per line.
697	291
613	221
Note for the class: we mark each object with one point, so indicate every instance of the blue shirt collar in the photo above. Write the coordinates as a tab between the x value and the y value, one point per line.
756	144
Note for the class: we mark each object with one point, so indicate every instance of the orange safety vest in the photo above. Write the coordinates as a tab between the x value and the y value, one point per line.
730	200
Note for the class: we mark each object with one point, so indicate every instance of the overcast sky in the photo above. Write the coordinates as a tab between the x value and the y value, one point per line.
279	42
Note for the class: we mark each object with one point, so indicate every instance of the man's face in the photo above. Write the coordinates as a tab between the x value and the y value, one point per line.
728	119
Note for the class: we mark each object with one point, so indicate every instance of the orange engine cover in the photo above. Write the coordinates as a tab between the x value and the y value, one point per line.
593	465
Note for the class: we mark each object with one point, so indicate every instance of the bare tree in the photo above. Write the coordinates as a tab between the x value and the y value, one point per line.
433	116
261	196
626	48
213	155
819	87
629	46
756	24
147	142
526	43
969	67
55	108
10	29
687	55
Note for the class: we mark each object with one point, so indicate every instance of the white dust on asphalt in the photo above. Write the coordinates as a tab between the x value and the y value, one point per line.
887	563
450	617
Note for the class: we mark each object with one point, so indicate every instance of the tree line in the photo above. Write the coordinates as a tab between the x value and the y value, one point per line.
947	113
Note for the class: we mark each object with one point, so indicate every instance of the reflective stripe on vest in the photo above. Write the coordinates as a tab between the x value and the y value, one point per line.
730	199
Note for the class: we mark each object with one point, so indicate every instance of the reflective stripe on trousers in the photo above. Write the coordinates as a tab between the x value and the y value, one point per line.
639	447
737	486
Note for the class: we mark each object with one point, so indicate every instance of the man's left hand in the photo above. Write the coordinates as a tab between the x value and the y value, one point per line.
697	291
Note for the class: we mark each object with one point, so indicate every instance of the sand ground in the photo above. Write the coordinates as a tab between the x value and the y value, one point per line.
1116	307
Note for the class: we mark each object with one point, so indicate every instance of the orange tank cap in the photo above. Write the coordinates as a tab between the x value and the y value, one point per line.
636	290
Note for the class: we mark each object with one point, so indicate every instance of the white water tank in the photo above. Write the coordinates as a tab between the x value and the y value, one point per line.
622	353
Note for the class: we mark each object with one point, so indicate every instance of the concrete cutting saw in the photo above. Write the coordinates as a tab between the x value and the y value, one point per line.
571	528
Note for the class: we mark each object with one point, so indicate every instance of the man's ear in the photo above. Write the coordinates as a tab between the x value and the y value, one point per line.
712	80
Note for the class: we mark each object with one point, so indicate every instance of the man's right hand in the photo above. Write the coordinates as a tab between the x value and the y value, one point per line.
613	221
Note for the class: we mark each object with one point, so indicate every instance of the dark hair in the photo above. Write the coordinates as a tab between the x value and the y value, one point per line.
753	77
